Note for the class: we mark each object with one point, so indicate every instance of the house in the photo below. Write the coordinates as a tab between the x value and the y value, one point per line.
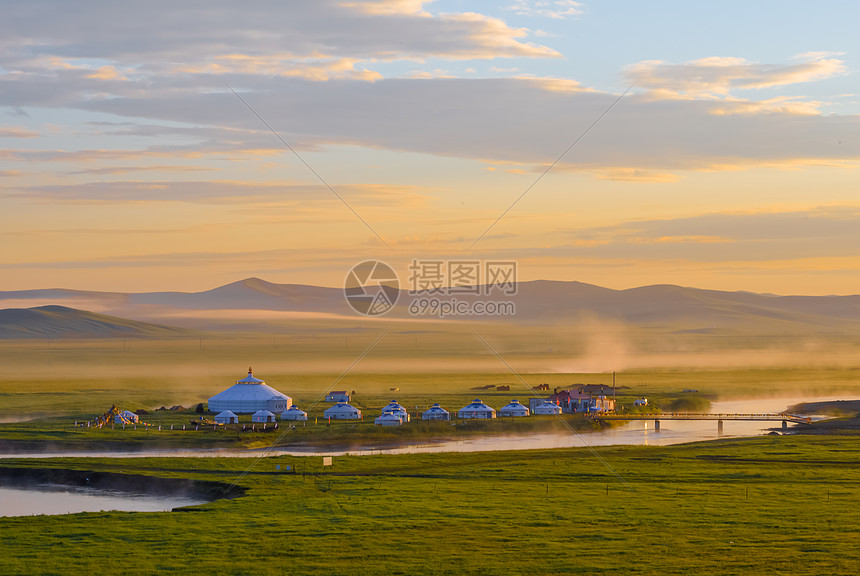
226	417
342	411
337	396
294	413
388	419
601	404
546	408
262	416
476	409
542	387
248	395
513	409
395	408
435	412
571	401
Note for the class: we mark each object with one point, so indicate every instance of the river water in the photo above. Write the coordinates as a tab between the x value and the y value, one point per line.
49	499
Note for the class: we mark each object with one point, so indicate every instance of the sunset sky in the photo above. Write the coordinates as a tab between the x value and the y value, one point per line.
127	163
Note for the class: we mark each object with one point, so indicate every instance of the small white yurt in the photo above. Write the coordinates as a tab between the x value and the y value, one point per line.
514	409
342	411
395	408
547	409
126	417
249	395
262	416
226	417
435	412
294	413
388	419
476	409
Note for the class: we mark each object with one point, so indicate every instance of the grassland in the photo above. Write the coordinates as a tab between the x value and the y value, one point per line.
769	505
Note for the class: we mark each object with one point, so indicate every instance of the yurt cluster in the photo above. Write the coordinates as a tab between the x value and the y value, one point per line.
253	396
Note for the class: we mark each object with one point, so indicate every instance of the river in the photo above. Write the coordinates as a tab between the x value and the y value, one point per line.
52	499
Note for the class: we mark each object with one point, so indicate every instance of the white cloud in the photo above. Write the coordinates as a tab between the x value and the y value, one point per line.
555	9
719	76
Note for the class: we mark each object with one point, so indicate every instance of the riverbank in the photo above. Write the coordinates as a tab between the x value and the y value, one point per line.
737	506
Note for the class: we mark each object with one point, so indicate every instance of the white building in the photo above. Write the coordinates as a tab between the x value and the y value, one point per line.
294	413
546	409
514	409
226	417
126	417
476	409
262	416
435	412
388	419
249	395
342	411
395	408
337	396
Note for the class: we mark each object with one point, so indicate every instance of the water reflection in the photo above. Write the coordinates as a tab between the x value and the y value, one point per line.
69	500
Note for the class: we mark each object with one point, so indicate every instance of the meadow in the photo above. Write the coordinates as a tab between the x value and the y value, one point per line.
767	505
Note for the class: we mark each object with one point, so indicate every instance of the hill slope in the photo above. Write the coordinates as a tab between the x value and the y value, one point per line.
63	322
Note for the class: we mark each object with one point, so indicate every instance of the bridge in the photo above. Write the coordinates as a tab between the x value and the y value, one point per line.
785	418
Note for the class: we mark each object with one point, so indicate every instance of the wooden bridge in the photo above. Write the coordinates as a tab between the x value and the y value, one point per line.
785	418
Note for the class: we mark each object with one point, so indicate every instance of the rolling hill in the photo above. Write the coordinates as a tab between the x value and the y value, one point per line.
540	302
63	322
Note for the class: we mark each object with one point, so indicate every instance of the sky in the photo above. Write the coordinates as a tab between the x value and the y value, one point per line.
185	145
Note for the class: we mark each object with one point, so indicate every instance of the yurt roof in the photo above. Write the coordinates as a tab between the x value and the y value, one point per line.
342	407
436	408
226	414
388	416
258	392
262	413
249	379
513	405
476	405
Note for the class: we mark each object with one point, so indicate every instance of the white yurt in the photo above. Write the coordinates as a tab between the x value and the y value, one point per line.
398	410
342	411
249	395
388	419
262	416
547	409
226	417
126	417
513	409
435	412
294	413
476	409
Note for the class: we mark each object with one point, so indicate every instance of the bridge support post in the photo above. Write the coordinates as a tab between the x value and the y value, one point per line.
656	425
719	427
785	424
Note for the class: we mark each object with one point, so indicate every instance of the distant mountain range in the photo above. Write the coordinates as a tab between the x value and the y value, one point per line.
540	302
63	322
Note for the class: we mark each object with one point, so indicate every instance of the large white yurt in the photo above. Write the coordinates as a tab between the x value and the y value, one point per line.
294	413
249	395
435	412
226	417
395	408
547	409
342	411
262	416
388	419
513	409
476	409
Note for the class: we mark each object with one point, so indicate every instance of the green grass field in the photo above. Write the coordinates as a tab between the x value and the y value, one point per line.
769	505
